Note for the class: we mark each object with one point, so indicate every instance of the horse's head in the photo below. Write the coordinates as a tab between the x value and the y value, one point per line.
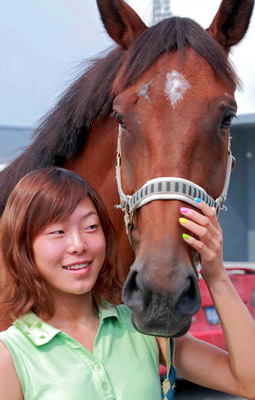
174	127
174	101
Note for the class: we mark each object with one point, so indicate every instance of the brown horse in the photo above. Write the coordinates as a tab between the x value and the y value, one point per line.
171	89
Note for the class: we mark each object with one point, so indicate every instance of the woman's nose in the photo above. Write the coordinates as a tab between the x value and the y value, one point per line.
77	244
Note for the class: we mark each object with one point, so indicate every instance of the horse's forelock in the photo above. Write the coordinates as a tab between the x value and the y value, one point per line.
174	33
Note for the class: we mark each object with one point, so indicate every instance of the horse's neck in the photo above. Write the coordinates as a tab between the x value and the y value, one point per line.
96	163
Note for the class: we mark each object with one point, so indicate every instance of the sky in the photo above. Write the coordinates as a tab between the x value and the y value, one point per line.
43	44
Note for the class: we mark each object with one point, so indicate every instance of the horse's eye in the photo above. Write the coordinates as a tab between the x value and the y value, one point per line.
227	121
119	120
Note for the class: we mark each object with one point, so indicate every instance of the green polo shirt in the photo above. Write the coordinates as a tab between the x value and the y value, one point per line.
53	366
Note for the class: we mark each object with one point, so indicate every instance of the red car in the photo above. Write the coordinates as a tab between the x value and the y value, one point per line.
206	325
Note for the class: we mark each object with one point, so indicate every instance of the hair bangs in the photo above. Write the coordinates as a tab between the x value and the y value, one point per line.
55	202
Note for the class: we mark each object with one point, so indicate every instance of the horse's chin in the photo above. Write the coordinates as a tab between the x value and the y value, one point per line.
164	329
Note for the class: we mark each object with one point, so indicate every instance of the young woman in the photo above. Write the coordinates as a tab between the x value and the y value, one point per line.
67	342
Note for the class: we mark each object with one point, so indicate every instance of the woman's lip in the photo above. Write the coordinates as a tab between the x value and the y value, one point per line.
79	271
83	262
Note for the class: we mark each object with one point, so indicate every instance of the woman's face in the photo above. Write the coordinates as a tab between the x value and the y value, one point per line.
69	254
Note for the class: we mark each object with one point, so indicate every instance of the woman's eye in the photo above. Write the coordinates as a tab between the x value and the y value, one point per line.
119	120
227	121
92	227
57	232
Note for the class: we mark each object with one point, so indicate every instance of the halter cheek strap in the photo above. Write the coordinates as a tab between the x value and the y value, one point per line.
166	188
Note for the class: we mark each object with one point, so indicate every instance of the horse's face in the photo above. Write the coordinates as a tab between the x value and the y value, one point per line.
175	122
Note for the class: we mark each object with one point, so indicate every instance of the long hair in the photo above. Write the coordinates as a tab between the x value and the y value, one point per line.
42	197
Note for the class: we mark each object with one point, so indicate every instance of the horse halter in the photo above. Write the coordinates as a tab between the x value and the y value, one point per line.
166	188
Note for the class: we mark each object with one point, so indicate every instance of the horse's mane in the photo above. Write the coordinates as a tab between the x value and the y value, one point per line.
65	129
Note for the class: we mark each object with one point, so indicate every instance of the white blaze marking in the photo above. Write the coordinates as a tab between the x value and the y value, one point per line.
176	87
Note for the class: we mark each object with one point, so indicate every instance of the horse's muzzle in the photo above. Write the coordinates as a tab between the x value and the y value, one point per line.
165	313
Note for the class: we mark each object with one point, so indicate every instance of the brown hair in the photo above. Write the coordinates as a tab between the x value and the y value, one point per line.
42	197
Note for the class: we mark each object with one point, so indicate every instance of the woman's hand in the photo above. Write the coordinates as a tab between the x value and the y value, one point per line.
204	234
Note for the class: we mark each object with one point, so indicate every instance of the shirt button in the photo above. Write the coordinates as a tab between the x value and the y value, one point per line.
104	385
97	367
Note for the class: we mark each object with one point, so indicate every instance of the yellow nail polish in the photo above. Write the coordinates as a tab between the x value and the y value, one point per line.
183	220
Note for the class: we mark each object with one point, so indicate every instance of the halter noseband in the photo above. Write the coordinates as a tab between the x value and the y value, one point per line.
166	188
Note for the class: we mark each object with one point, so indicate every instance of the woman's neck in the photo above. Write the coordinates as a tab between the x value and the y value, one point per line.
74	311
78	317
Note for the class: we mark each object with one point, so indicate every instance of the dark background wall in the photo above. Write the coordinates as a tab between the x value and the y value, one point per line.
13	139
238	222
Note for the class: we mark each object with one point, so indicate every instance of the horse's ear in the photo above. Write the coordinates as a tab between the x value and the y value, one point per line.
122	23
231	22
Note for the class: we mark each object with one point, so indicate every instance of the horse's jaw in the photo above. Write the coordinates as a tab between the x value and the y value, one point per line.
160	330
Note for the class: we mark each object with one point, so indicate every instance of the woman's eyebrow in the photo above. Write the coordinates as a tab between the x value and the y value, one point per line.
88	214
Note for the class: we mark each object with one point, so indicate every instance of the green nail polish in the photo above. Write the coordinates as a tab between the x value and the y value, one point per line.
185	236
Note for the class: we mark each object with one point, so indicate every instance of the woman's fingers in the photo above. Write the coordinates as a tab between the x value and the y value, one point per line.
208	214
204	233
202	225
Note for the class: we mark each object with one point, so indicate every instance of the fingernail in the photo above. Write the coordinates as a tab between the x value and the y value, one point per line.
197	199
184	210
183	220
185	236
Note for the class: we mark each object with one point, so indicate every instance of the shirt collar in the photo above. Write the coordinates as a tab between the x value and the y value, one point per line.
107	310
35	329
40	332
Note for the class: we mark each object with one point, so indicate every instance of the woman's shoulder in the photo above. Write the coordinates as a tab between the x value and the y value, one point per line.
6	360
9	381
8	333
5	356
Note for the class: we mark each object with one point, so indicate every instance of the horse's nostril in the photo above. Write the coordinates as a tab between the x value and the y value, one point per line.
134	294
189	299
132	282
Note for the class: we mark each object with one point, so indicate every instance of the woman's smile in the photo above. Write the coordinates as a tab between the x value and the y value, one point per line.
78	265
79	269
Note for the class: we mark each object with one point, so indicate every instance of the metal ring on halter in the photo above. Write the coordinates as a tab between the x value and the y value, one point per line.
166	188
